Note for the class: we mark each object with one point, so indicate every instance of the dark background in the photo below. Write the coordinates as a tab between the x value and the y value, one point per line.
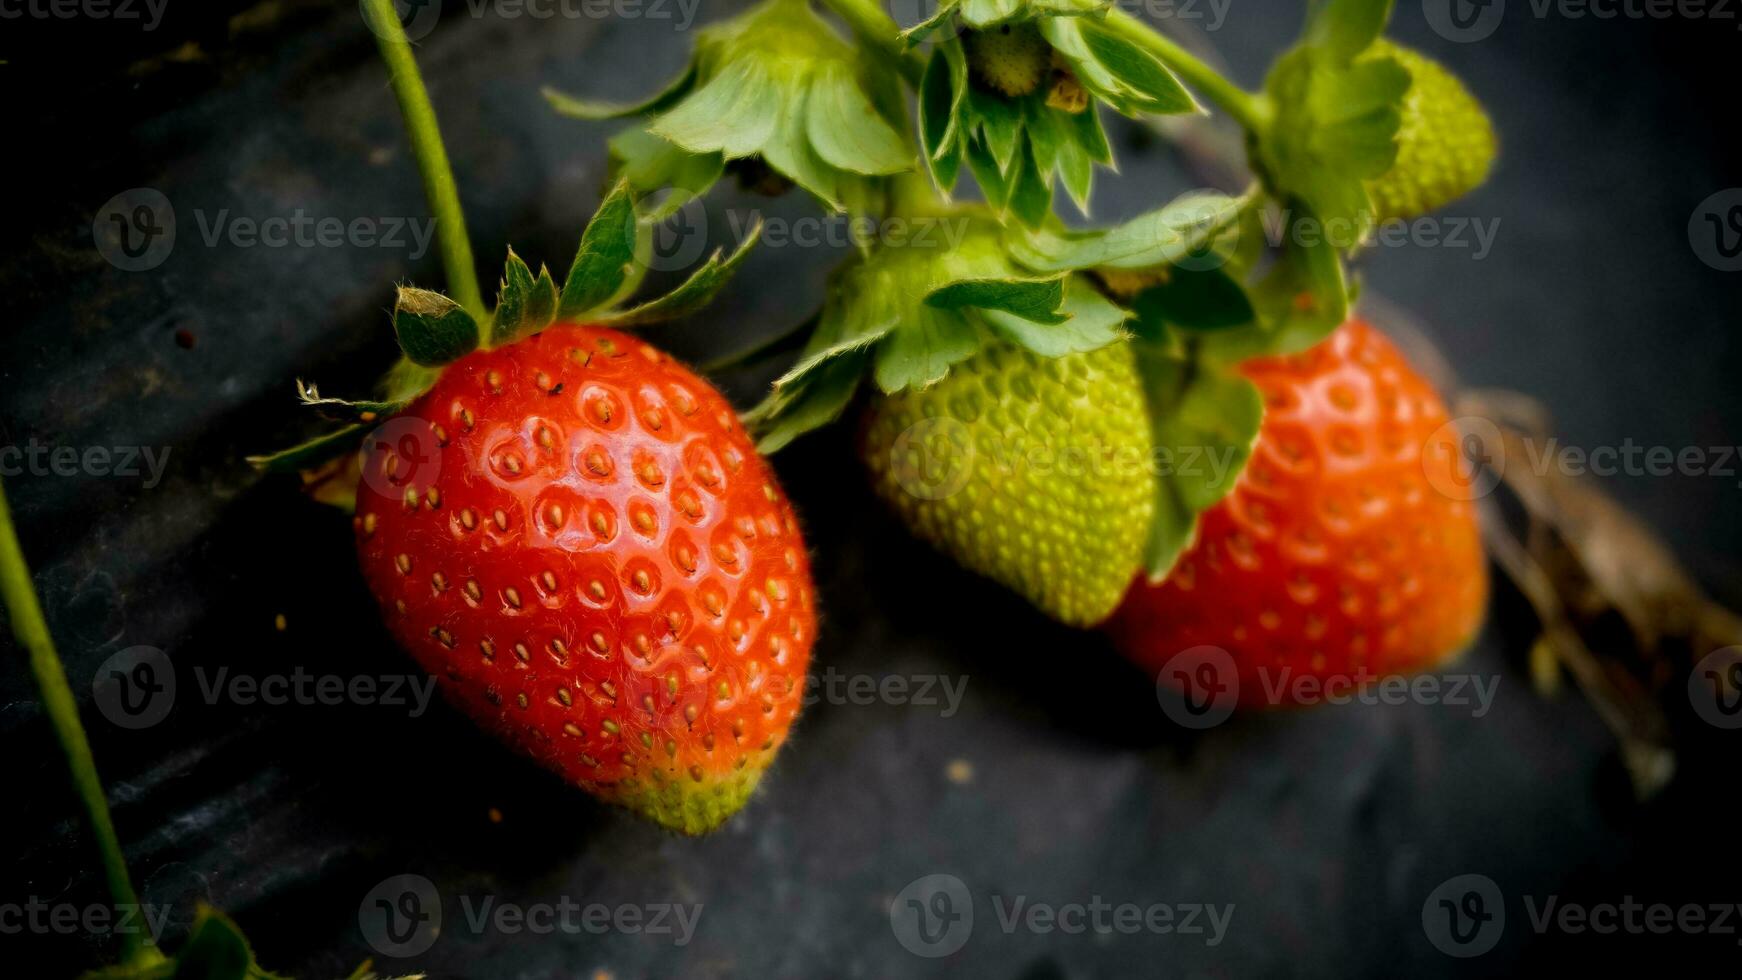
1326	829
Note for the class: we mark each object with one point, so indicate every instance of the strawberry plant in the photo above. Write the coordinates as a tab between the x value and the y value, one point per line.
1023	334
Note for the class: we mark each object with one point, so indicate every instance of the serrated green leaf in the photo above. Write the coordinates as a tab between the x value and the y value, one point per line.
821	399
432	329
526	303
592	109
695	292
1153	87
1090	322
311	453
1342	29
1036	300
601	273
788	150
922	349
1205	423
845	129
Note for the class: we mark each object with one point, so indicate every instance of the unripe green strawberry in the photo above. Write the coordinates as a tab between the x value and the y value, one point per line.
1012	58
1035	472
1445	146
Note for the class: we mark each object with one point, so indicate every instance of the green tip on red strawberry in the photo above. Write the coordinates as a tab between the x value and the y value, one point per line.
1344	547
1033	471
1445	143
576	537
776	84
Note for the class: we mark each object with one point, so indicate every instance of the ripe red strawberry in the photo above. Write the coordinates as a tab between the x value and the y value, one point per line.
1335	555
599	568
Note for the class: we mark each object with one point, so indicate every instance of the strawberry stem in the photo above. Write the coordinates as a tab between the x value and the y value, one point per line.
432	156
1243	106
877	29
63	714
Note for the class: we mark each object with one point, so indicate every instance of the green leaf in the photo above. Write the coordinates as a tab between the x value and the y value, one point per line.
1091	322
788	150
1155	88
1342	29
1037	300
939	99
433	330
1160	237
1197	299
650	163
1031	195
344	410
601	271
821	399
695	292
920	31
311	453
1000	124
591	109
987	174
526	303
217	950
1205	423
922	348
734	113
845	129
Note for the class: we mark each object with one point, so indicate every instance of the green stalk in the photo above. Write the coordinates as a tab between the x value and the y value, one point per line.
432	156
879	30
1247	109
63	714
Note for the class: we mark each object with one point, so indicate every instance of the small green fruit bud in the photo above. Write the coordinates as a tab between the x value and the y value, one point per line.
1012	58
1445	146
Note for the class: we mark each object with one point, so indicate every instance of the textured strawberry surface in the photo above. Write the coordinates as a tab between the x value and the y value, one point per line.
1348	544
594	561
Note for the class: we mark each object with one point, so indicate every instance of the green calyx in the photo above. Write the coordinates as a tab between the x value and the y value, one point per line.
1445	142
776	83
1332	121
907	311
1036	472
435	331
1015	100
